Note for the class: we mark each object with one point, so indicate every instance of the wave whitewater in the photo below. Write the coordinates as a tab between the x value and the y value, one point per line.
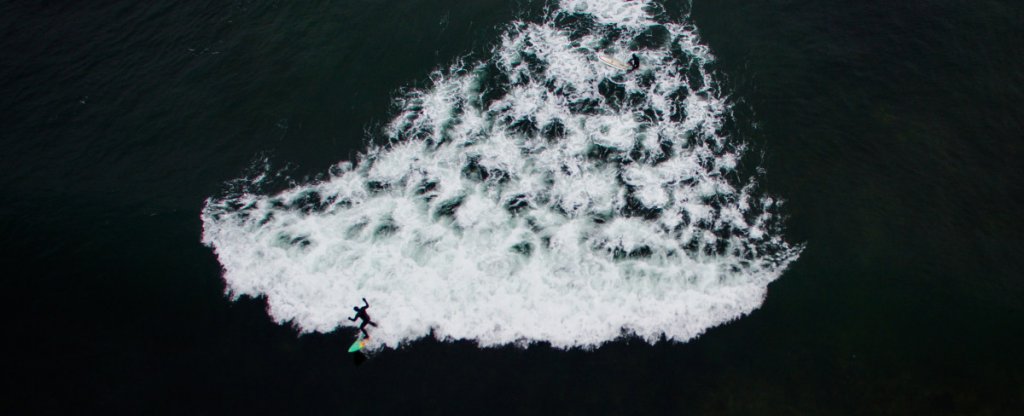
535	196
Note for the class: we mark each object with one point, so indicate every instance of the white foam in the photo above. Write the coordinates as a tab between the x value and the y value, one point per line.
541	209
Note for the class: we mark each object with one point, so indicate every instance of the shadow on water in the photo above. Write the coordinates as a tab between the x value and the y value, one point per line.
358	358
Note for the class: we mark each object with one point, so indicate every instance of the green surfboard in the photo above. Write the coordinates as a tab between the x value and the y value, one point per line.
359	344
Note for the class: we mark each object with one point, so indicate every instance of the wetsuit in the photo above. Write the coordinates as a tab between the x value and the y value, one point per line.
361	314
634	63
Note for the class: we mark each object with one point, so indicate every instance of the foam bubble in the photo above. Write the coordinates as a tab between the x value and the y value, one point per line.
536	196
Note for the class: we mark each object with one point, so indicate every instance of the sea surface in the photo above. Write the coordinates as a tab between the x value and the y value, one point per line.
790	207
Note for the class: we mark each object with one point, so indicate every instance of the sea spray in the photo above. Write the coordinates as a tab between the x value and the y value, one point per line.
535	196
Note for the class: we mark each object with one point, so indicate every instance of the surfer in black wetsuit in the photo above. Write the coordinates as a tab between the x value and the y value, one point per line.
634	63
361	314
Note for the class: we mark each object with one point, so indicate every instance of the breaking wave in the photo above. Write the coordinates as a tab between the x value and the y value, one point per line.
536	196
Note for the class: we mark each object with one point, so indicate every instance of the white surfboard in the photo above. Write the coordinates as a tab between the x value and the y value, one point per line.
612	61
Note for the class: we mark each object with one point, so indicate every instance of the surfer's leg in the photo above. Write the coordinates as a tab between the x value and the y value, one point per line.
371	323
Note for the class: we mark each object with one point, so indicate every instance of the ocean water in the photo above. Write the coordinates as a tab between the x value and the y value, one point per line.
791	207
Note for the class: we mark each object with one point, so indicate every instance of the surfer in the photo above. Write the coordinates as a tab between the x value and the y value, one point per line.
361	314
634	63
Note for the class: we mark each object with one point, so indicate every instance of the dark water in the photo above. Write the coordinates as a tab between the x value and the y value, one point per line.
894	132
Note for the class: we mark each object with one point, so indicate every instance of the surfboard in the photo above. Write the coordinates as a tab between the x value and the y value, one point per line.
359	344
612	62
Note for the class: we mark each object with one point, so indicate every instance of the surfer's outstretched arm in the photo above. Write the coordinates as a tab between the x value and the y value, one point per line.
365	304
353	319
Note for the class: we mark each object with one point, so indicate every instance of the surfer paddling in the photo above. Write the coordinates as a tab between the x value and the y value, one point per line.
361	314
